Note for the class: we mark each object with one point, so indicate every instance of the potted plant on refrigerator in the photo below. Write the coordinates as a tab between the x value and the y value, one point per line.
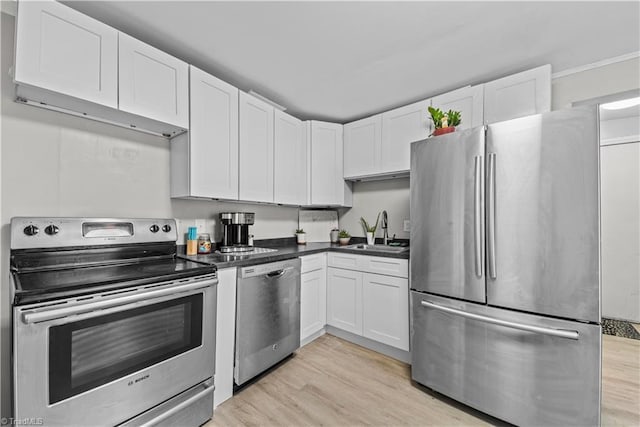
344	237
369	230
444	122
301	236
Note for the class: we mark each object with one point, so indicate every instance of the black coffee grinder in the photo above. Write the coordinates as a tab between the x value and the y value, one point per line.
235	231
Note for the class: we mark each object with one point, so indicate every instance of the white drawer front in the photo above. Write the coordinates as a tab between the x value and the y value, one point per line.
313	262
348	261
389	266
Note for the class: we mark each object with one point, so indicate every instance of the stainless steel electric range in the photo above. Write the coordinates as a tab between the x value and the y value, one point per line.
110	326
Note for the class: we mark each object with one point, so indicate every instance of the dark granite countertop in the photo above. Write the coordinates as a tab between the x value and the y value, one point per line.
286	249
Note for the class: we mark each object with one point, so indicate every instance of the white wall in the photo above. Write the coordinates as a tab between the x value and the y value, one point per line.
58	165
372	197
613	78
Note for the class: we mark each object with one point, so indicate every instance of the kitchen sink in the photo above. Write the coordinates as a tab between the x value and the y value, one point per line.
378	248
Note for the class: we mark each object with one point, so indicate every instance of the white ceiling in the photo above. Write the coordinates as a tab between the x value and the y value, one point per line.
340	61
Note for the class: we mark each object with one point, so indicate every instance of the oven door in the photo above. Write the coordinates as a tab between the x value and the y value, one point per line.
105	359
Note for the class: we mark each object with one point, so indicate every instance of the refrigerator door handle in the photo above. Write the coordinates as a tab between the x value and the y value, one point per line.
491	215
478	214
560	333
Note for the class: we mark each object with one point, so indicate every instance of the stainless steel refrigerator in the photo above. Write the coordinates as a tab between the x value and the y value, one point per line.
505	270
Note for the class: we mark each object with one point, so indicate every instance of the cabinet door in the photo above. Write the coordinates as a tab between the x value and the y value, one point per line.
290	160
225	335
213	151
467	100
60	49
401	127
344	299
385	309
313	302
152	83
362	147
518	95
327	182
256	149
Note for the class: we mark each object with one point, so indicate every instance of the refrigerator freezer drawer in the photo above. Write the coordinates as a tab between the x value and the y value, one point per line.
522	368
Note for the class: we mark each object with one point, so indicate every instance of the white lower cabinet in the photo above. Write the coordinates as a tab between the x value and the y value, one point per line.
225	335
375	306
344	300
385	309
313	296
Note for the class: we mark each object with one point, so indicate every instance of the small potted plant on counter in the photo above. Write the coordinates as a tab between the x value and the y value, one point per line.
344	237
444	122
301	236
369	230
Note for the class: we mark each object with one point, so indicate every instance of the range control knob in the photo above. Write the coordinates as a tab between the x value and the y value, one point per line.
31	230
166	228
154	228
51	229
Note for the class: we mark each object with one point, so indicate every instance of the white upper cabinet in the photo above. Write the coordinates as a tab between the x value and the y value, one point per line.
362	147
204	163
467	100
153	83
326	184
62	50
256	149
518	95
290	160
401	127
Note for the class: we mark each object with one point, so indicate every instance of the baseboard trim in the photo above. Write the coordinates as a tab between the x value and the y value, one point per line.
312	337
387	350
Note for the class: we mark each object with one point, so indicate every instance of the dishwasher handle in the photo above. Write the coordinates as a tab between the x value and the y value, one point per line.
275	274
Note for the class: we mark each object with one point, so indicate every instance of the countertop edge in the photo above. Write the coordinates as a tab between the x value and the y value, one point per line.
284	253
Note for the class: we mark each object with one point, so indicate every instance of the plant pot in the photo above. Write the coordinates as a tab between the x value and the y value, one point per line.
370	239
344	240
442	131
301	238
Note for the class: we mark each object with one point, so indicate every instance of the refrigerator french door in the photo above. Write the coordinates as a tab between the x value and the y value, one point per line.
505	268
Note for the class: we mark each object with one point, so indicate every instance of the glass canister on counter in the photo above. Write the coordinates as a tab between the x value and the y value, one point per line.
204	243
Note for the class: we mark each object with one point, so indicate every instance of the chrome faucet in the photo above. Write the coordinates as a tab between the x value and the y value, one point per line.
385	226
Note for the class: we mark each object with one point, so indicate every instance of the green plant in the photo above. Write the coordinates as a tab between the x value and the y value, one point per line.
343	234
441	119
299	231
367	227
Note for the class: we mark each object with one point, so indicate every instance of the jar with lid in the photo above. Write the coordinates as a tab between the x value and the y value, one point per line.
204	243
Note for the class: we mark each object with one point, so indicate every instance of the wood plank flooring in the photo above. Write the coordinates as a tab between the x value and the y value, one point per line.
332	382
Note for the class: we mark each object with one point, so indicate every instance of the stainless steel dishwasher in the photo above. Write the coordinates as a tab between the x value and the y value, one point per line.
267	316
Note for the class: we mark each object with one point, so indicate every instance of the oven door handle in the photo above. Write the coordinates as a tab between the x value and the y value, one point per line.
45	315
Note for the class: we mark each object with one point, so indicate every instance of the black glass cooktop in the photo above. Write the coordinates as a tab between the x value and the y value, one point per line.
55	280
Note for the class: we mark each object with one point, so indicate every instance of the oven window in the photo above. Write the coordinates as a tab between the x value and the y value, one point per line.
88	353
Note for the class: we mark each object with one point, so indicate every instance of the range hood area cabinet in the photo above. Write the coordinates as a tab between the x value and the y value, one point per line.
378	146
204	161
71	63
326	185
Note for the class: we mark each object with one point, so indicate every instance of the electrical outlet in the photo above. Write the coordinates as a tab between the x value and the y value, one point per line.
200	225
406	225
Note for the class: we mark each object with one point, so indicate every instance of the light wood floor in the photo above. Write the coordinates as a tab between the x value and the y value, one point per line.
332	382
